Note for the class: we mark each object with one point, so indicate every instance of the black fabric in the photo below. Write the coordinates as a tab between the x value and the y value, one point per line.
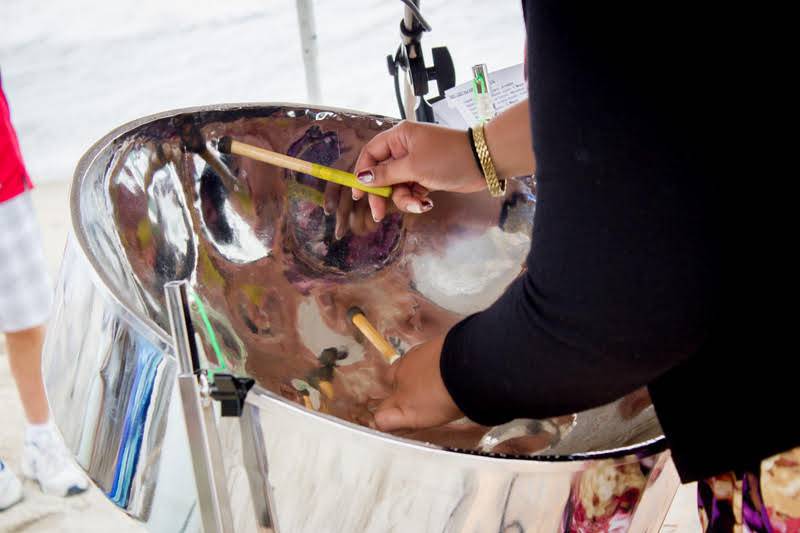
636	269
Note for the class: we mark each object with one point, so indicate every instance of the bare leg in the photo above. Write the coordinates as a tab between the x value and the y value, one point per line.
25	360
44	456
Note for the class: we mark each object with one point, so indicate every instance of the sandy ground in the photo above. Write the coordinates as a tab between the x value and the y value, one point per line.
91	512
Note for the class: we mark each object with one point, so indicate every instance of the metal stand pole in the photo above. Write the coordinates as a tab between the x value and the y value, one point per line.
412	90
198	412
411	100
308	39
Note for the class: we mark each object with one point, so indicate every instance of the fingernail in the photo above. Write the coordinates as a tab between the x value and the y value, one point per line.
415	208
353	195
375	218
365	176
427	205
329	207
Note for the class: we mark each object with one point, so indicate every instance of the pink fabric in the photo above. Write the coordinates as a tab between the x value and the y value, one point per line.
13	177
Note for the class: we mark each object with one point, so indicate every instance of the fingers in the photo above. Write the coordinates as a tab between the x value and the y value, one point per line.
361	222
387	144
331	197
409	198
343	211
372	153
385	161
378	206
370	224
389	415
391	373
393	415
388	172
393	418
364	217
357	220
420	191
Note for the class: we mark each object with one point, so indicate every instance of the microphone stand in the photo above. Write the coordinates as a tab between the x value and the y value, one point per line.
409	59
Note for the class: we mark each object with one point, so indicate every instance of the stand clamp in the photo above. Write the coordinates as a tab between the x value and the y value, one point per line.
409	58
230	391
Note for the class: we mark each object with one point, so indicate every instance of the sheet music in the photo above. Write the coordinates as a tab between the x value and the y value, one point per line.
458	109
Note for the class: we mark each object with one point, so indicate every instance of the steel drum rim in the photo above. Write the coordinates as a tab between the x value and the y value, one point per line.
577	461
150	328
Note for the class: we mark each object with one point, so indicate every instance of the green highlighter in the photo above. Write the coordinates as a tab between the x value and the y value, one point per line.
481	93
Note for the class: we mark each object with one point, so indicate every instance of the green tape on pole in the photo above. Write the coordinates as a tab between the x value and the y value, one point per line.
212	338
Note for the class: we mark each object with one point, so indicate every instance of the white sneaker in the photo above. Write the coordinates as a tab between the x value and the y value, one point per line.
47	461
10	488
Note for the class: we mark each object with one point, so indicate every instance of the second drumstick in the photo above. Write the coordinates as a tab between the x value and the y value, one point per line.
359	320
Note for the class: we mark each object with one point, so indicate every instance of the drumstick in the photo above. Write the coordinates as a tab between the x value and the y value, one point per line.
374	336
194	142
227	145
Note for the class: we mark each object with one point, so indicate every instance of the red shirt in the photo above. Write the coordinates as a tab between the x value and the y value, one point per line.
13	176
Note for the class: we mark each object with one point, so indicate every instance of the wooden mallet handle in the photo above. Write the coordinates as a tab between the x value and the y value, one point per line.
374	336
227	145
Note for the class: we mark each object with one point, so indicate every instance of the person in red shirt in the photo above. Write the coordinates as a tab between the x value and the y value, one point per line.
25	299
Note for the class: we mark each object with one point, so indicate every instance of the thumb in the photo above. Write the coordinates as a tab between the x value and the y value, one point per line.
390	172
393	418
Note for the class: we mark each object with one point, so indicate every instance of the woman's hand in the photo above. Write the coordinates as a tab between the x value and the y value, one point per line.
417	158
419	399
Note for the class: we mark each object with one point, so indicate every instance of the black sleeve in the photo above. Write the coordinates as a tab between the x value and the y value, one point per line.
581	330
620	281
661	251
511	361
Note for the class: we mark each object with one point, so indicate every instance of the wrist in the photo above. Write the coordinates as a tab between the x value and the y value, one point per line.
508	138
468	166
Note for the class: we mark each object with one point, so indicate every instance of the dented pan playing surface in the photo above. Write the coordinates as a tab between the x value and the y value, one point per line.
275	260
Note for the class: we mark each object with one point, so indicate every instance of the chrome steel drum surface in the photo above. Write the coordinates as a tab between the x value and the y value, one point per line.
275	260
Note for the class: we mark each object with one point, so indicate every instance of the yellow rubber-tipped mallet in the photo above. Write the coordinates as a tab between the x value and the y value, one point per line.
226	145
374	336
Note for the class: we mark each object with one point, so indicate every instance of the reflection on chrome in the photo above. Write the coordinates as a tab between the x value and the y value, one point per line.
275	260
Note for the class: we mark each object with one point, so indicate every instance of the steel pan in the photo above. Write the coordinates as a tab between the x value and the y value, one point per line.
275	260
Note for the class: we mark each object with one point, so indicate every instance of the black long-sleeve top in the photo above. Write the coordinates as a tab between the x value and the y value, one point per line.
626	284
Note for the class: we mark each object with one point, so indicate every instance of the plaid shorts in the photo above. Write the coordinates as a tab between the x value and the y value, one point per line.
25	290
